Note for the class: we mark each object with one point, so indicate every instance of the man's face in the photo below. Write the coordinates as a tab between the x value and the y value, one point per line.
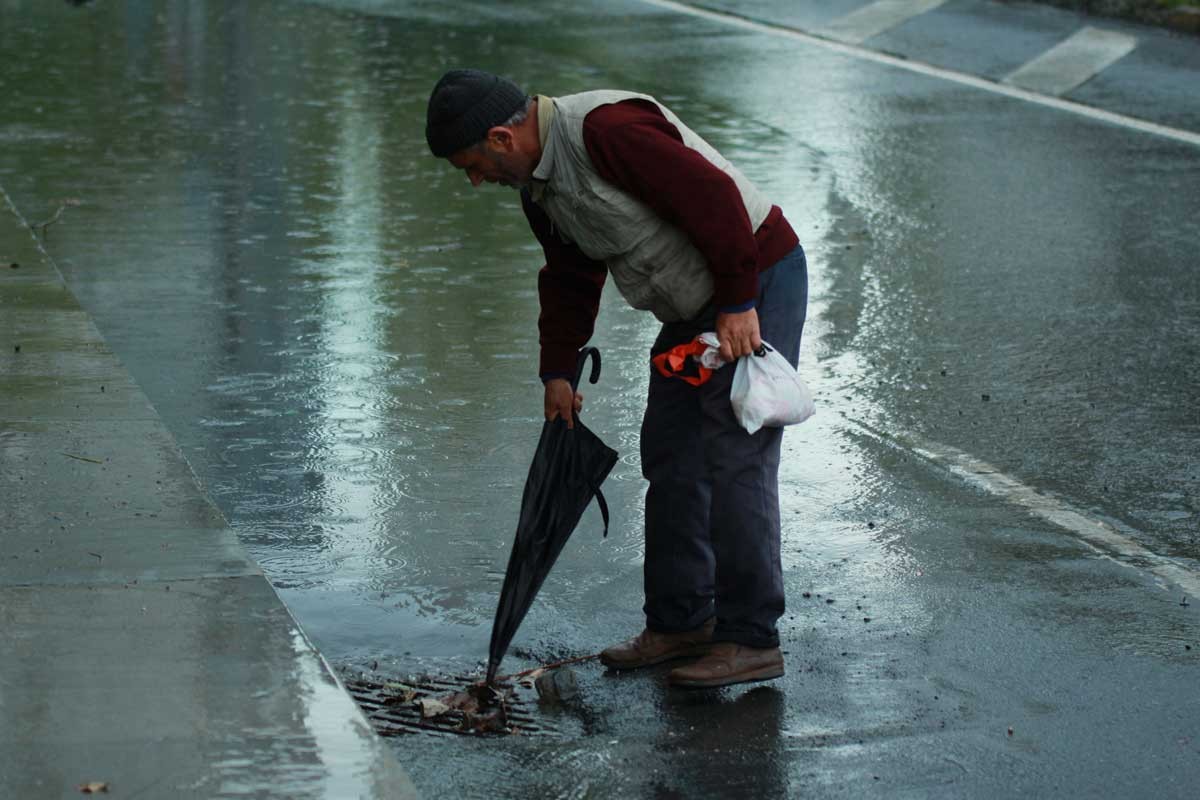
494	161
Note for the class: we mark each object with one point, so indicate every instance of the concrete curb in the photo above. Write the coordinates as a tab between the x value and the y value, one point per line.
143	649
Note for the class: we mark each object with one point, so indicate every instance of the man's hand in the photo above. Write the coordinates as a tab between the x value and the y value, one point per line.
738	334
562	402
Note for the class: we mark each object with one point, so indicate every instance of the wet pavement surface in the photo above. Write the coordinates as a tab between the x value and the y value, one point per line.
340	334
143	652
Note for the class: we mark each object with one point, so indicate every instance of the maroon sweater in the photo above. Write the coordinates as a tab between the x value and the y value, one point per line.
635	148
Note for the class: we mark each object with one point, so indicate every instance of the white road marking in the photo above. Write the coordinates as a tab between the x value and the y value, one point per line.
1098	534
909	65
1073	61
872	20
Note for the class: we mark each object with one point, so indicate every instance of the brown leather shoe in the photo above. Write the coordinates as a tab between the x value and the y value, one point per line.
651	647
728	663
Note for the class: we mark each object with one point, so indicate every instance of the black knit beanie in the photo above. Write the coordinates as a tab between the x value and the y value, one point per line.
465	105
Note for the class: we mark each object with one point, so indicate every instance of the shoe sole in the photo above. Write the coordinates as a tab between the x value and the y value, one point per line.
691	652
760	674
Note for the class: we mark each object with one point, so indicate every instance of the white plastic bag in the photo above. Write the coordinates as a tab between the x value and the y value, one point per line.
766	392
711	357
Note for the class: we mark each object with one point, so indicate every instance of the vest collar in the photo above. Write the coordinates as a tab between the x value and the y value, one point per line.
544	168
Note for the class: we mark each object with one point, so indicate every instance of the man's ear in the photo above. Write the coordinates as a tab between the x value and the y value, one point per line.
500	138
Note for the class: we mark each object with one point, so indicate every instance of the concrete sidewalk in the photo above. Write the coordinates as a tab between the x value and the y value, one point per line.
140	647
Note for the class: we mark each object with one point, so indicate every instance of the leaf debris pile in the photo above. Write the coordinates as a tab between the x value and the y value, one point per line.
477	709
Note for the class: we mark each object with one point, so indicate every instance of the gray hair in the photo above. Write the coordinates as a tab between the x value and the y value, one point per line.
519	116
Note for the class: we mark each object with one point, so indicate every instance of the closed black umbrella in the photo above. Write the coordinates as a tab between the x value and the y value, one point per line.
567	470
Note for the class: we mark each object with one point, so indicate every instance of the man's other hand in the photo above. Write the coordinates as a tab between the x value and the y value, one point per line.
562	402
738	334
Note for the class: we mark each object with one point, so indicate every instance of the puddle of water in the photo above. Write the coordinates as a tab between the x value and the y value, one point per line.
339	330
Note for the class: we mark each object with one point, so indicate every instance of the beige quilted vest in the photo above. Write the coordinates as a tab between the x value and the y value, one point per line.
653	263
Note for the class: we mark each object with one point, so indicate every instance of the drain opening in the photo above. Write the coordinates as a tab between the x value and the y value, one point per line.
413	706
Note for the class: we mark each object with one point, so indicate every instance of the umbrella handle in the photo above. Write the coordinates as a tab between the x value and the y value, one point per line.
584	354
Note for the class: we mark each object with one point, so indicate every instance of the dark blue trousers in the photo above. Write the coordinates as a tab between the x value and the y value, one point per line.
712	508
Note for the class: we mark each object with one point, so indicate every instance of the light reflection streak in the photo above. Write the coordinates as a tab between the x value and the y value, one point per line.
351	335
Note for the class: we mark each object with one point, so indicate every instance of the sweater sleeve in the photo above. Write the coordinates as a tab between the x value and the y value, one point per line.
635	148
569	288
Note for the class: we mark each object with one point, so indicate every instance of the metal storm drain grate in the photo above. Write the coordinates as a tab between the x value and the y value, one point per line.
440	706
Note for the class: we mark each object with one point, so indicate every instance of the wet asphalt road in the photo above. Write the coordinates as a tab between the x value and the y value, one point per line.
339	332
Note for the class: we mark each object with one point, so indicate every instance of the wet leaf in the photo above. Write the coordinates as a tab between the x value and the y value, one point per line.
494	720
431	707
402	697
461	701
93	787
488	695
394	686
530	679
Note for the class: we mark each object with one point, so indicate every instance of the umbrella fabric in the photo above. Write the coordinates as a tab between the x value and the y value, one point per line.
567	470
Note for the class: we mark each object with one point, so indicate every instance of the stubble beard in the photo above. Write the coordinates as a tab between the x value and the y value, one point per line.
509	173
